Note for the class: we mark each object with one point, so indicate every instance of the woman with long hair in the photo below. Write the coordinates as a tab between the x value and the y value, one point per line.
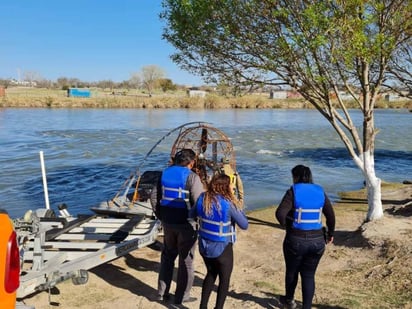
218	212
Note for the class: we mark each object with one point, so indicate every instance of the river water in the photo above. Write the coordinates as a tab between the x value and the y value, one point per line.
89	153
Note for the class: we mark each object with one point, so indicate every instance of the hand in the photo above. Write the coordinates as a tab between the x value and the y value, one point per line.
193	223
330	240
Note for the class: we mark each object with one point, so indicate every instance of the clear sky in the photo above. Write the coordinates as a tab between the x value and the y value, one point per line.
91	40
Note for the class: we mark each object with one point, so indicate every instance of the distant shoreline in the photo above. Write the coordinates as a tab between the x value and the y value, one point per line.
53	98
164	103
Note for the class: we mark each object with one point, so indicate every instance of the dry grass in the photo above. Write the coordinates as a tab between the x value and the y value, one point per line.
358	271
52	98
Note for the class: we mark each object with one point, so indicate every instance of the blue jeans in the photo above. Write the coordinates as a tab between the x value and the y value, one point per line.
302	256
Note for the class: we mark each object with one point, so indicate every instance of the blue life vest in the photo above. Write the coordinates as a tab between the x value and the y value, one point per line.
309	201
218	226
174	192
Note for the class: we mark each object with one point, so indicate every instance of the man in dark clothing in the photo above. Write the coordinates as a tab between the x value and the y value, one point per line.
173	197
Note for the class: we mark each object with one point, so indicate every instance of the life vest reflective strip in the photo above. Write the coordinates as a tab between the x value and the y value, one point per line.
174	192
180	193
301	210
309	201
218	226
221	225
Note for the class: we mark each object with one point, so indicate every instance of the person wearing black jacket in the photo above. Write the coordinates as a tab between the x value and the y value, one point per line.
176	193
300	213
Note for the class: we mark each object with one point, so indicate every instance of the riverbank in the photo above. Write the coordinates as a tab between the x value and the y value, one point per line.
53	98
368	266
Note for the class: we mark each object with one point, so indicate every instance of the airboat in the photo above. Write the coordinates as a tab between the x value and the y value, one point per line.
211	146
56	247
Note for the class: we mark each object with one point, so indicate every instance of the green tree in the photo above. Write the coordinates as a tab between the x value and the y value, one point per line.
316	47
166	84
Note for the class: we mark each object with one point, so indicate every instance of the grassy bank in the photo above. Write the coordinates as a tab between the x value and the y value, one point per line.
52	98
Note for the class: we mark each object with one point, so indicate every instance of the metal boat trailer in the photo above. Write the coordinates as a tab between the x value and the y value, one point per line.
54	249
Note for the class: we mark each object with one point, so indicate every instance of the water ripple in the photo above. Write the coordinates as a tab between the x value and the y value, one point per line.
90	153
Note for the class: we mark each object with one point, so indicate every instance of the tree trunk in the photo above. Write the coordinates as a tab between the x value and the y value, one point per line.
373	187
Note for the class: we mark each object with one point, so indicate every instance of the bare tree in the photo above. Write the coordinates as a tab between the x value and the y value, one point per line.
124	84
44	83
316	47
63	83
68	82
31	77
151	75
5	82
135	80
106	84
400	72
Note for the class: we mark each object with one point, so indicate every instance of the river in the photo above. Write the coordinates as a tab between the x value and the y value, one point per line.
89	153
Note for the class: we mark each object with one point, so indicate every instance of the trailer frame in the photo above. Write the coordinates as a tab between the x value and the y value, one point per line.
53	249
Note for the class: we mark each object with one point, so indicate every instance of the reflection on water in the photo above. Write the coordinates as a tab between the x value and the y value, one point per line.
90	153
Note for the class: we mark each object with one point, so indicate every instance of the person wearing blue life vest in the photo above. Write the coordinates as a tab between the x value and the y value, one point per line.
218	211
300	212
175	194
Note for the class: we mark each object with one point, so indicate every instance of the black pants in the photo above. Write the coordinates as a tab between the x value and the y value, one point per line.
178	242
302	256
221	266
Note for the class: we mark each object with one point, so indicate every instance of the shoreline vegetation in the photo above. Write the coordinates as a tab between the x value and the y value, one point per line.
18	97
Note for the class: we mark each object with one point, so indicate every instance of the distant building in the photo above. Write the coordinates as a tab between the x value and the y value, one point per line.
391	97
23	83
78	93
345	96
196	93
294	95
278	94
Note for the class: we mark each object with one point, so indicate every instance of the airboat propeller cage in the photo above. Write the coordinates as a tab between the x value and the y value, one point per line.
210	145
212	148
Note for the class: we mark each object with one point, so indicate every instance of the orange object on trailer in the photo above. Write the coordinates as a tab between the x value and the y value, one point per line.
9	262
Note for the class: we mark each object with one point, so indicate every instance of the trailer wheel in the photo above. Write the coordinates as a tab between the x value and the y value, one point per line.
81	277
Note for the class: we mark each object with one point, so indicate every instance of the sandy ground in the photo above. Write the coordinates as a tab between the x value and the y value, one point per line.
257	279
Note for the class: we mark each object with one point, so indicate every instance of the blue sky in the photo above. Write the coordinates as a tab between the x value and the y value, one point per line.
87	39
